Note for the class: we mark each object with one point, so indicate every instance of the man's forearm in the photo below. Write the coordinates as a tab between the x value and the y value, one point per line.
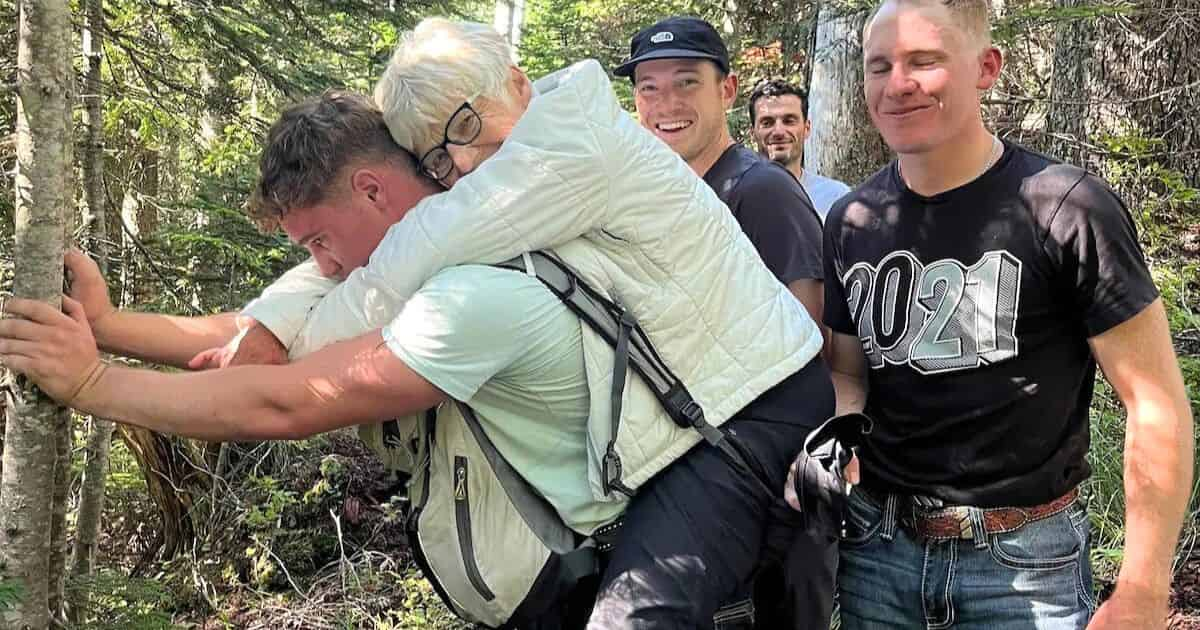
164	339
176	404
1159	447
851	392
349	383
811	294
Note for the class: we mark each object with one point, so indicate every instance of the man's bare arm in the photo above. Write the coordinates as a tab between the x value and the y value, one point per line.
1138	360
352	382
848	369
811	294
164	339
346	384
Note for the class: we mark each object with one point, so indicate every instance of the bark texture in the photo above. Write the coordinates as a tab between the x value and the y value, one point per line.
1066	119
43	200
1147	77
58	517
171	481
99	434
843	144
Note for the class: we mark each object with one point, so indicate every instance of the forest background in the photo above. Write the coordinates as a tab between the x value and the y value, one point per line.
171	99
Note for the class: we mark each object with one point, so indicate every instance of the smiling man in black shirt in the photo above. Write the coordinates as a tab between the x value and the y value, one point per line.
972	288
682	88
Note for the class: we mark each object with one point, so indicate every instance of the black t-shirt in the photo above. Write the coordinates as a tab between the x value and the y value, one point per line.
773	210
778	217
974	308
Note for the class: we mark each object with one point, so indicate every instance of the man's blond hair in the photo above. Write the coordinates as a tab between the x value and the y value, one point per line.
972	18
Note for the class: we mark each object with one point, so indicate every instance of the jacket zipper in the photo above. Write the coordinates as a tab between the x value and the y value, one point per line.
462	514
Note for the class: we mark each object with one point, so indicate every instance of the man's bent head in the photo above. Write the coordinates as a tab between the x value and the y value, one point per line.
333	179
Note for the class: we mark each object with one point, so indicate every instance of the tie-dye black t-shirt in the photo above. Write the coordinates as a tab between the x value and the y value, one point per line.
974	308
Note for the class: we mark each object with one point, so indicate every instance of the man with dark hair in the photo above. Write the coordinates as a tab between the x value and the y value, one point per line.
682	88
973	287
308	147
780	126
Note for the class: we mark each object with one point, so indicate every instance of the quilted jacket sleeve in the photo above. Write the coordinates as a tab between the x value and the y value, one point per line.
283	307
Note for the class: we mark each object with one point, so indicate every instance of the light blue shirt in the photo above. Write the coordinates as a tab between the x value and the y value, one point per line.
823	191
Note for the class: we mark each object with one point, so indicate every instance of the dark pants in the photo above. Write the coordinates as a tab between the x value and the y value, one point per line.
798	593
695	534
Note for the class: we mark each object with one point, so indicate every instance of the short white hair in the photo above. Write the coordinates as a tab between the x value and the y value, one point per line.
436	67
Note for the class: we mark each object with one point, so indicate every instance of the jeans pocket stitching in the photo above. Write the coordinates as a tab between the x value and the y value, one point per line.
1031	564
1083	534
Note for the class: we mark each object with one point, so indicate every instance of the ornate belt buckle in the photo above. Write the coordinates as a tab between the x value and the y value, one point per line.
965	530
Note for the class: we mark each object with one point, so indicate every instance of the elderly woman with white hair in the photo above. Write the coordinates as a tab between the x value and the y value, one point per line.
557	164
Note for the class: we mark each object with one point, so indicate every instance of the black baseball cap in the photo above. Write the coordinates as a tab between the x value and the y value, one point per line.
676	38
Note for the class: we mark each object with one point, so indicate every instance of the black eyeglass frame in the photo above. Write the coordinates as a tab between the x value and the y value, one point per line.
446	141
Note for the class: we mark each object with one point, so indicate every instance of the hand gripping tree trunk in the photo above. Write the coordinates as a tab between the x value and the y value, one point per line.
100	431
843	144
43	198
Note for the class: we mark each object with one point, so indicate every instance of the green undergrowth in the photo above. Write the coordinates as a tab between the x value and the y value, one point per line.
312	540
1166	210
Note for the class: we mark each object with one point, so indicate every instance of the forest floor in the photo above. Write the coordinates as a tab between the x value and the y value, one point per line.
1185	597
373	582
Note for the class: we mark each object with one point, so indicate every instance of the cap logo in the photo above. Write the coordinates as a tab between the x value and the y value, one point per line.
664	36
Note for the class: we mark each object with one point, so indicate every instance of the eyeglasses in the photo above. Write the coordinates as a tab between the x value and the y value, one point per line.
462	129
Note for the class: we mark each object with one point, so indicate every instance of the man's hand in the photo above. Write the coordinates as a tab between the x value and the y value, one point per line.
253	345
1129	608
53	348
88	286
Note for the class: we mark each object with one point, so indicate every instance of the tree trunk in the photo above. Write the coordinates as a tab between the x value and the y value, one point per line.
94	224
1066	119
91	496
99	435
171	480
58	516
43	200
1148	67
843	144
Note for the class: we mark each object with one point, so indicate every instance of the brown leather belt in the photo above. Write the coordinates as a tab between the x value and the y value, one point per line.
955	522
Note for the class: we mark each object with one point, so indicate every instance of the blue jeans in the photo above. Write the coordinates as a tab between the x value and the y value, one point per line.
1038	576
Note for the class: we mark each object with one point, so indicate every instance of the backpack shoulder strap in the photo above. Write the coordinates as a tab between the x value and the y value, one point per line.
612	322
633	349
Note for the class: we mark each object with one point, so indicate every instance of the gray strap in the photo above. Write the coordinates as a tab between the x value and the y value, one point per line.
612	462
633	347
